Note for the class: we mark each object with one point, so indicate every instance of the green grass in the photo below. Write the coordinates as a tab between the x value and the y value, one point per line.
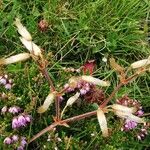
78	31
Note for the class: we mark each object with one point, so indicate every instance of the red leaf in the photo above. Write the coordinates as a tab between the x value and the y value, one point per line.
89	67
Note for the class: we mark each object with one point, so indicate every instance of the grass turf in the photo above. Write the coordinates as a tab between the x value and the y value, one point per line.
78	31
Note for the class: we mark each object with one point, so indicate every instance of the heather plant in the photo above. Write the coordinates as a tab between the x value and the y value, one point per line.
81	87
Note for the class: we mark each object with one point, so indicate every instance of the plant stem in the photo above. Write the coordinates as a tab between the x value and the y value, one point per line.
53	125
82	116
111	95
45	73
57	106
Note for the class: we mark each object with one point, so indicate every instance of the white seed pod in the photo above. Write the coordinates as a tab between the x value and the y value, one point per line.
129	116
22	30
48	101
140	63
102	122
15	58
31	46
72	99
70	102
124	109
95	81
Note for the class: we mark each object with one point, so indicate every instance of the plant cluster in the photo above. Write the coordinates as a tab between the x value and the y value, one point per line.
84	87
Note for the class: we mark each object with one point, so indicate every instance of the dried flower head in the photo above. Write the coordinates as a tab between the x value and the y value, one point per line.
43	25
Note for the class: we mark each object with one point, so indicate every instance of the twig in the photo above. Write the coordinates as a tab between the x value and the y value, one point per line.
85	115
45	73
57	106
111	95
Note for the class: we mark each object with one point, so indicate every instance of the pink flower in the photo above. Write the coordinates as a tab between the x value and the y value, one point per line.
8	86
14	109
23	142
28	118
21	121
3	81
15	138
15	123
130	125
7	140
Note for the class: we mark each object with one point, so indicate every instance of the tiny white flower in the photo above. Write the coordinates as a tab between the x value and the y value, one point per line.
31	46
48	101
104	59
95	81
15	58
22	30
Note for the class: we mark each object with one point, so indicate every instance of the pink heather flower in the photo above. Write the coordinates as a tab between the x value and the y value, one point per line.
83	91
4	110
14	109
141	135
28	118
7	140
23	142
20	148
129	125
8	86
15	138
140	112
3	81
15	123
21	121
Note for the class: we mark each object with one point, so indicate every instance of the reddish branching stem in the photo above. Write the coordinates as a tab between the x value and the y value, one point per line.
85	115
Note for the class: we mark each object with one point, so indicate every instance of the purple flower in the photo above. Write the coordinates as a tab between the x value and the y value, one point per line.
3	81
129	125
28	118
4	110
15	123
15	138
142	134
23	142
7	140
20	148
14	109
140	112
21	120
8	86
83	91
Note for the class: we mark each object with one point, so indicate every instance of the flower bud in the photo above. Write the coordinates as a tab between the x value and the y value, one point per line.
7	140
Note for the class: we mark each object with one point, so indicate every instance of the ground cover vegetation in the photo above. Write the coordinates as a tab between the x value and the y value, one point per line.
67	74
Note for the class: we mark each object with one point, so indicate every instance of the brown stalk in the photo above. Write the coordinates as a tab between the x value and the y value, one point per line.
85	115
